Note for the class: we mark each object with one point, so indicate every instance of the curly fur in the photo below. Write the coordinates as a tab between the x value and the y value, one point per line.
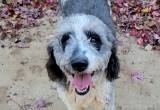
103	62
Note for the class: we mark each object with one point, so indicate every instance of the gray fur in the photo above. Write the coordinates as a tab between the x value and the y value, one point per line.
98	8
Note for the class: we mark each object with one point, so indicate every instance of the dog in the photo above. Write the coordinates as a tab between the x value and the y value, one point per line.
82	55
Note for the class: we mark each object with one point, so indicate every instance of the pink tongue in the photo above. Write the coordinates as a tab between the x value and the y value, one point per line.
82	81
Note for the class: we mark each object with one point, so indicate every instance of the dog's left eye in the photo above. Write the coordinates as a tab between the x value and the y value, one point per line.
64	40
94	39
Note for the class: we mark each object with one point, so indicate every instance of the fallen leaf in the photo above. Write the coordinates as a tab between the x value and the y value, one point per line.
22	45
40	103
140	41
149	47
156	36
156	13
133	32
146	10
135	76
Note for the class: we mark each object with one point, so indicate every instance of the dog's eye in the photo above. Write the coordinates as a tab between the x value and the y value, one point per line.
64	40
94	39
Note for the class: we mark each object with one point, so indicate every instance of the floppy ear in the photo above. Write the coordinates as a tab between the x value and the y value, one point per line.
54	71
113	66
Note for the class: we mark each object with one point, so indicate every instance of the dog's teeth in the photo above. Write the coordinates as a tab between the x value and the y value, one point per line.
83	90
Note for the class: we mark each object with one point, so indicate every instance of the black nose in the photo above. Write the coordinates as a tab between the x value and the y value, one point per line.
79	65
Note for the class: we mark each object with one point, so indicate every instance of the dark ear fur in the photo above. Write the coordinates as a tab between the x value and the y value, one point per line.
54	71
113	66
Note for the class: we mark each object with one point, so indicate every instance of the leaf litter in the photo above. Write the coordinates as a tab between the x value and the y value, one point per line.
20	14
140	19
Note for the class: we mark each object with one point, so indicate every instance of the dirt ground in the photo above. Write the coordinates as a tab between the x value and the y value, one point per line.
24	80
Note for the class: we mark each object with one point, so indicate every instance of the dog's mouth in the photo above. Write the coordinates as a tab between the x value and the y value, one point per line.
82	83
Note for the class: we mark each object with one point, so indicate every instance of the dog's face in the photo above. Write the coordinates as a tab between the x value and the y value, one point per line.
82	52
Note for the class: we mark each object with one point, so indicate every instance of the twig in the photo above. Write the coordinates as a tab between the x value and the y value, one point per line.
20	106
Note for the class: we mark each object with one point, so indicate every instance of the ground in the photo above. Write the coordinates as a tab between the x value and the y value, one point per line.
24	80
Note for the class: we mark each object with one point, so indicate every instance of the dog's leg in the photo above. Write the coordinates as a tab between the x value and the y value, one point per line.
111	105
106	100
62	95
79	108
70	107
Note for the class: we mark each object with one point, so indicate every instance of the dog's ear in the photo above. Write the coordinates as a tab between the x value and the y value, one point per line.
113	66
54	71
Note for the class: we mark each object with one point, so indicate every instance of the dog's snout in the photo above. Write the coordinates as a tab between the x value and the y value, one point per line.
79	65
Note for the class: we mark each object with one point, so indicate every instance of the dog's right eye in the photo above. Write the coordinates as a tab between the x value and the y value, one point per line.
64	40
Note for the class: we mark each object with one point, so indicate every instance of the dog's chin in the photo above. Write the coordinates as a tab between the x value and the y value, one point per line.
82	82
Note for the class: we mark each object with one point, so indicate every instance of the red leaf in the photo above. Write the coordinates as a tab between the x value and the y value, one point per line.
133	32
140	41
119	2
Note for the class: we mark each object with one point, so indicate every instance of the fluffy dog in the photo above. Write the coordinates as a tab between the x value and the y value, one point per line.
83	58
